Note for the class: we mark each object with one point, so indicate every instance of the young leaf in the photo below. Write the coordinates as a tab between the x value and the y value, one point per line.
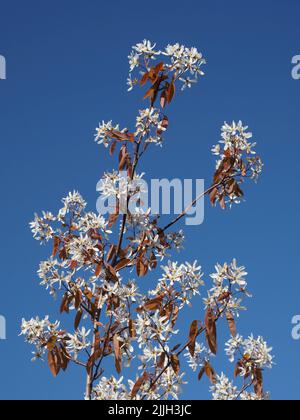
117	350
231	324
132	330
78	319
55	246
192	337
52	363
211	331
123	263
139	383
210	373
175	363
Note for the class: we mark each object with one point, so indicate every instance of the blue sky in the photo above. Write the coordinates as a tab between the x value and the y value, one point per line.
67	68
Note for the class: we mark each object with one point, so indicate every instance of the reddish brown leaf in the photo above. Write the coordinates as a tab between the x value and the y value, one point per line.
175	363
73	265
175	315
149	93
142	267
192	337
222	202
64	303
98	270
201	373
132	330
123	263
117	135
171	92
237	369
144	79
210	373
139	383
153	304
78	298
213	196
153	261
160	67
231	324
163	99
52	363
94	357
117	350
78	319
258	383
51	343
55	246
161	360
112	148
211	331
111	272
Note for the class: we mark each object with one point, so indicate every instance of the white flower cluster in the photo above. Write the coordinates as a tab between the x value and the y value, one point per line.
229	282
255	353
77	234
114	389
185	62
41	229
92	221
251	396
38	332
147	236
78	341
119	185
169	386
234	137
110	389
252	355
201	355
223	389
103	131
151	124
83	249
186	277
156	327
74	204
235	142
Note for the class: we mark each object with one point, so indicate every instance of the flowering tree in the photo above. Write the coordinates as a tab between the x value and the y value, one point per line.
94	259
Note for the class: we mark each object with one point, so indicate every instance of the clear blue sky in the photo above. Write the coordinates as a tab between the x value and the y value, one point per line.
67	68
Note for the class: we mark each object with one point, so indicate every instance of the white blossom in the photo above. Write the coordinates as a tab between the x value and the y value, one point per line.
110	389
198	360
186	63
78	341
146	48
223	389
41	230
253	351
74	204
103	131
